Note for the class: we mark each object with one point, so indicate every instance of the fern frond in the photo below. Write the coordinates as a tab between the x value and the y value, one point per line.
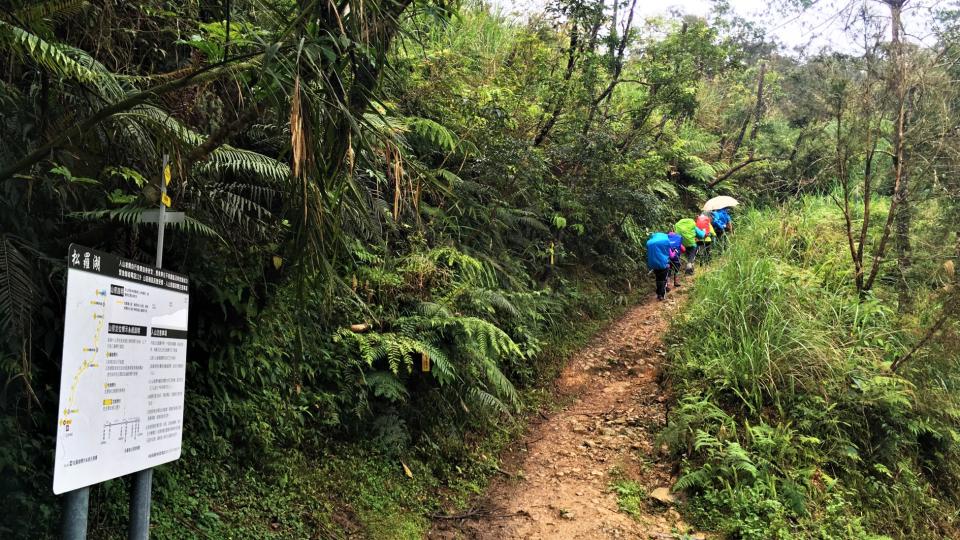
491	341
132	215
17	291
36	12
245	163
484	401
163	123
704	440
449	176
193	226
236	208
694	479
499	382
632	231
495	300
469	269
443	369
385	384
699	169
665	189
44	53
434	132
432	309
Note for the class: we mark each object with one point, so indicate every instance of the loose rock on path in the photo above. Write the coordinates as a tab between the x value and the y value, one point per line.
562	473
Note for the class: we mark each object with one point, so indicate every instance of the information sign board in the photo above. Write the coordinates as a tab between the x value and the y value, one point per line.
123	372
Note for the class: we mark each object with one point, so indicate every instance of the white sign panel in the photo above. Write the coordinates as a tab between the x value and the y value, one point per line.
124	366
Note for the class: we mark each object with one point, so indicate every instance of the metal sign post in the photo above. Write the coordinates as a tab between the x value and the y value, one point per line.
140	494
142	489
76	504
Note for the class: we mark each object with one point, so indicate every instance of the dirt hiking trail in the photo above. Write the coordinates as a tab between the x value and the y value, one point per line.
559	477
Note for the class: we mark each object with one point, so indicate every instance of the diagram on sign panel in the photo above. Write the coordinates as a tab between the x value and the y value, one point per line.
121	430
89	354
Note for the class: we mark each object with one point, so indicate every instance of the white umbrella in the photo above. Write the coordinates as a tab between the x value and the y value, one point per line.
717	203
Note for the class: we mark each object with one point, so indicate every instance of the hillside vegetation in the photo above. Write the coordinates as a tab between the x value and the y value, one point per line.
789	420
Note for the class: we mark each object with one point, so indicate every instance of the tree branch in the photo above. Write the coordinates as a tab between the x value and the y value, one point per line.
218	139
920	344
568	74
734	169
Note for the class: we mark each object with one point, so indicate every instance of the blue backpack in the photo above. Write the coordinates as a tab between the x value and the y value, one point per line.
721	219
658	251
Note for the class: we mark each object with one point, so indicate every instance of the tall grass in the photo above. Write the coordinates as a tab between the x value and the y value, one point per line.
789	422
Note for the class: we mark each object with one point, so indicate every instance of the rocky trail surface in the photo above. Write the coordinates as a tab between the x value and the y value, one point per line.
560	479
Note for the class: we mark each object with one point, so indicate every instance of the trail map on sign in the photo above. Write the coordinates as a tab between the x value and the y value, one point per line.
123	372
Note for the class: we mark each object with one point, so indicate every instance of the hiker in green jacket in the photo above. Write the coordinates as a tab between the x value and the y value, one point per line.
688	231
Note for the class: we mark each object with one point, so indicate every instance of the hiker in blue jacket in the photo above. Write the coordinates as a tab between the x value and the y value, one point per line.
722	223
658	260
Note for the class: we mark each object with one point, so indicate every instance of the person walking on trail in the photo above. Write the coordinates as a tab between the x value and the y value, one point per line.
658	260
676	252
705	242
722	223
689	233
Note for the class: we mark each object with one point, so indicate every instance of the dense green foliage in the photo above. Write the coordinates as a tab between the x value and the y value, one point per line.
789	420
385	166
371	184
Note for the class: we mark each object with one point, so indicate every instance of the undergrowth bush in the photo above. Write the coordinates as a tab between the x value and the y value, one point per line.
789	421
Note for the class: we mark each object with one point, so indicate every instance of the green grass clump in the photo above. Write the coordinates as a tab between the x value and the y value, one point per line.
789	422
630	495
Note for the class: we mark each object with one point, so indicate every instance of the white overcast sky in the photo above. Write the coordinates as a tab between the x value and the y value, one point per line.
820	26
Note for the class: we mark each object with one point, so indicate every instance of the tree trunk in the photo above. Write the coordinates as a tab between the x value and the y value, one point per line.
900	178
796	145
843	176
561	96
641	118
905	210
757	113
758	109
865	225
617	67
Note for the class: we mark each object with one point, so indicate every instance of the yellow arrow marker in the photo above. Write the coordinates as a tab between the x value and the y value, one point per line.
167	175
165	199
